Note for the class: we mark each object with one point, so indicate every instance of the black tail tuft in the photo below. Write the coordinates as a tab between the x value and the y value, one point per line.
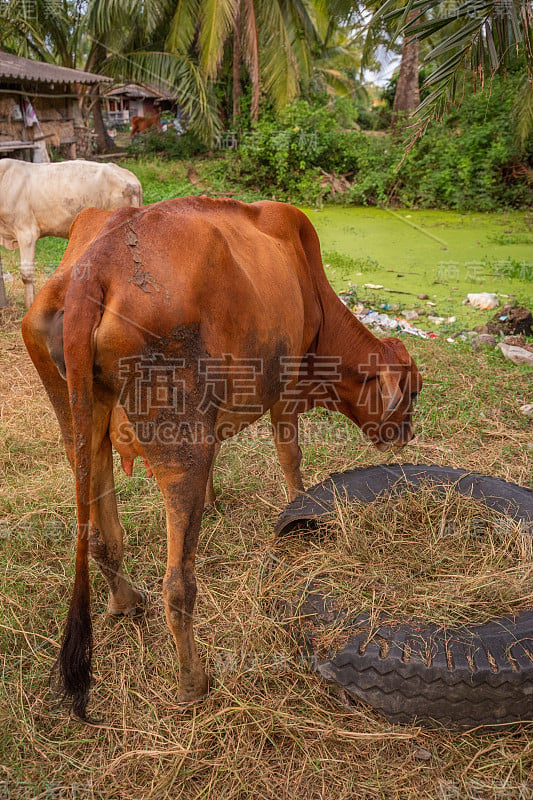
72	670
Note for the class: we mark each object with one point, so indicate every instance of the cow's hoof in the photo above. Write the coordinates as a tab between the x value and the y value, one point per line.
134	608
193	694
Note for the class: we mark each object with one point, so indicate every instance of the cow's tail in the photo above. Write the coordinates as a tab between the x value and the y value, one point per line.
83	311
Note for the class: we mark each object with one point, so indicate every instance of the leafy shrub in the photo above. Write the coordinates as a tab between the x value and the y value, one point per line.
467	160
168	144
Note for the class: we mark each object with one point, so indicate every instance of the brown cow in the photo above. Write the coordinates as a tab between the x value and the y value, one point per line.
141	124
166	330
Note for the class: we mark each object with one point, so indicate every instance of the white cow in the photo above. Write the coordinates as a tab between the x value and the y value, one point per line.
43	199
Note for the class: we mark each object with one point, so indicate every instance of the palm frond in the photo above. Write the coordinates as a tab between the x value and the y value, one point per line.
217	22
336	82
277	59
183	26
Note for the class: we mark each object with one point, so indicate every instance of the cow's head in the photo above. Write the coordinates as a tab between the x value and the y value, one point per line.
380	396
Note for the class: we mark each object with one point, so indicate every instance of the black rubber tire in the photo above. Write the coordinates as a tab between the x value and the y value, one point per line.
465	676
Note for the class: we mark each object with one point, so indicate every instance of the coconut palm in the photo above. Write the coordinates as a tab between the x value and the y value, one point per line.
479	37
273	39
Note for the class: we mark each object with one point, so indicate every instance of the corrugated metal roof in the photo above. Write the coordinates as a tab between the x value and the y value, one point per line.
24	69
137	90
131	90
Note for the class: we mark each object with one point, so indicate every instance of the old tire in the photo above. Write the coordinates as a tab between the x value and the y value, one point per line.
465	676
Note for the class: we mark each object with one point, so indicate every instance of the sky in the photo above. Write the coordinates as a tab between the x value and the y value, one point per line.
389	63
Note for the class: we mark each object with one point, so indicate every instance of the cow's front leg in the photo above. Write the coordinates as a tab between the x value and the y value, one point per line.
26	243
285	430
183	490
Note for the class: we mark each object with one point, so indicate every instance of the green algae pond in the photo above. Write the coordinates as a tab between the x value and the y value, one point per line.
443	254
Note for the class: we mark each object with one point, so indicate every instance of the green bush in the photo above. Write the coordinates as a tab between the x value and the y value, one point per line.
467	160
167	144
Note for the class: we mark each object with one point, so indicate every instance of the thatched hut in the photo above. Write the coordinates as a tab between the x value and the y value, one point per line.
40	108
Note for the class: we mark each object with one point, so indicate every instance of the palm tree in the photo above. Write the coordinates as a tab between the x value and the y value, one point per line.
479	37
337	64
272	39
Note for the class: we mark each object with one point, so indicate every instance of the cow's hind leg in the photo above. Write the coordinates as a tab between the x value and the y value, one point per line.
43	337
183	483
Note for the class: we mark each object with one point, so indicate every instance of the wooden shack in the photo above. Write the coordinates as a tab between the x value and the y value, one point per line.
40	109
128	100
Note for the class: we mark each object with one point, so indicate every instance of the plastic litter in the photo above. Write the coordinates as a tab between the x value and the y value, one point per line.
481	300
373	319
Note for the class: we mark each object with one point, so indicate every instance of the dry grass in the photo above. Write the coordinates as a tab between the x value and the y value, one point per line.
269	728
426	555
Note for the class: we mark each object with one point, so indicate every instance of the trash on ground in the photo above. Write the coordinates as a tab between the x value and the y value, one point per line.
436	320
518	355
481	300
373	319
410	315
373	286
511	320
8	277
527	409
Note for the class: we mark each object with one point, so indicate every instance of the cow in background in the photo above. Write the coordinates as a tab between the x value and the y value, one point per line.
142	124
39	200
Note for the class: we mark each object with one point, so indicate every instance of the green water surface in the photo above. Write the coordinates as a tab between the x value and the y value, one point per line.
443	254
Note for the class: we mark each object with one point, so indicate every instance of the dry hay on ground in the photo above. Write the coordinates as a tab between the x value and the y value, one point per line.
424	556
269	728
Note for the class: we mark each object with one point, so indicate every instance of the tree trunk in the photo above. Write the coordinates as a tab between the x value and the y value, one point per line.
95	59
407	96
104	142
237	60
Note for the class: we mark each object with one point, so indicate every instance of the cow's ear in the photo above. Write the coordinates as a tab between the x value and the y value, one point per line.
391	393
